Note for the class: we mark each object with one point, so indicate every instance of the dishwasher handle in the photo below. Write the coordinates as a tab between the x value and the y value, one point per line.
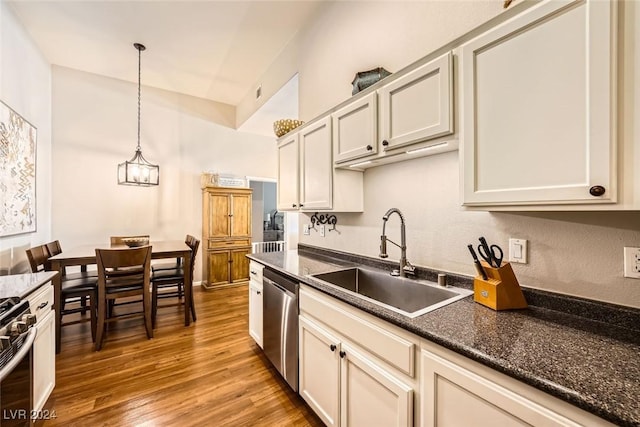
280	287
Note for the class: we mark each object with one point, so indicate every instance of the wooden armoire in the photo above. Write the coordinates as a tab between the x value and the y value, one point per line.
226	235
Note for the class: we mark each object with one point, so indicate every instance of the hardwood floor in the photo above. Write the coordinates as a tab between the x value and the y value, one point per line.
208	374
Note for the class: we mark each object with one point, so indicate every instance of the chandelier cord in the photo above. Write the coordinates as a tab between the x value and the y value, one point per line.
139	80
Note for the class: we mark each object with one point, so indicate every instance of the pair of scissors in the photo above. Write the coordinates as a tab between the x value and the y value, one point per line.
492	254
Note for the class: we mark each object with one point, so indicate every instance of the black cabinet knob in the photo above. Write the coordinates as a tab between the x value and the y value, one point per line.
294	205
342	354
369	148
301	205
332	347
597	190
258	292
385	142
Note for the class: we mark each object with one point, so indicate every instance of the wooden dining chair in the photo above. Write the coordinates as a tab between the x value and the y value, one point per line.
80	287
173	266
169	283
119	240
85	274
38	257
123	273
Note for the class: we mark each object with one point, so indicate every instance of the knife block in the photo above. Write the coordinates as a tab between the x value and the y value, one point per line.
501	290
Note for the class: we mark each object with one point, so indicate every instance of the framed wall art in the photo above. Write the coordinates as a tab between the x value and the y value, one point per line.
17	173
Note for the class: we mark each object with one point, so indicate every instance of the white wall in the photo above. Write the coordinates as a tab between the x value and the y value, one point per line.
573	253
355	36
94	127
25	86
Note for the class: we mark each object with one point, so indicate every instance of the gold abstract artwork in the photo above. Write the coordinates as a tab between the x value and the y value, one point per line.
17	173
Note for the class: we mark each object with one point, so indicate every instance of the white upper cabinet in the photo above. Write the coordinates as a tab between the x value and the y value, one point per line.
539	107
407	117
355	129
307	179
316	166
288	174
417	106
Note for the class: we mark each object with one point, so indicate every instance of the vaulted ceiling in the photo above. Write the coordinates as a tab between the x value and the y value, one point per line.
209	49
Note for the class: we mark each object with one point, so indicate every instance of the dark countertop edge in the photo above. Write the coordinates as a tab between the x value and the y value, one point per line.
540	383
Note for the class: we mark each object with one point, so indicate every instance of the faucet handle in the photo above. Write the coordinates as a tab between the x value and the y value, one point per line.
410	269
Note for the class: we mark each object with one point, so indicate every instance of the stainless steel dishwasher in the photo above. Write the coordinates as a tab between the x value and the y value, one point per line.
280	324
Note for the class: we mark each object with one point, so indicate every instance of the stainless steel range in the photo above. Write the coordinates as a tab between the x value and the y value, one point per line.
16	362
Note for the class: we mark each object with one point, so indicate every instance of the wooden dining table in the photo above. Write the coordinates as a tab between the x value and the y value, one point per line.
86	255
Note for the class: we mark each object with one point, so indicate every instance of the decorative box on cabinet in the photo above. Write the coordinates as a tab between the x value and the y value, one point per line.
226	229
539	108
308	181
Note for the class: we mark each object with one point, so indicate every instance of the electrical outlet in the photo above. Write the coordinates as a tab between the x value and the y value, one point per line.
632	262
322	230
518	251
305	229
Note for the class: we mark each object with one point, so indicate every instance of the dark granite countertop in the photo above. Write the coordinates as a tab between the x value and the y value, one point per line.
22	285
588	362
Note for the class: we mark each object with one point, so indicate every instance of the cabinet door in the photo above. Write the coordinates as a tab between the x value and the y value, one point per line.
453	396
370	395
239	264
219	267
219	219
288	173
240	215
255	311
418	106
355	129
538	104
316	166
319	370
44	360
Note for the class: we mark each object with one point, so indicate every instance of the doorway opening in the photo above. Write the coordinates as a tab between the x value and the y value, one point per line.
271	230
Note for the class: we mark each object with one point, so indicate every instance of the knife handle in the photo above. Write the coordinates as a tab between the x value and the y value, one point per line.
476	262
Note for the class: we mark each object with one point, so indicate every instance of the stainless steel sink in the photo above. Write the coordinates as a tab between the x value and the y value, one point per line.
409	297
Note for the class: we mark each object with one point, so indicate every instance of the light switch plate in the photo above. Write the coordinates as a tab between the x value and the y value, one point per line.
322	230
305	229
518	251
632	262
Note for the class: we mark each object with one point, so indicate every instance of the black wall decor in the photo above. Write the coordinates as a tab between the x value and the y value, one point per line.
332	220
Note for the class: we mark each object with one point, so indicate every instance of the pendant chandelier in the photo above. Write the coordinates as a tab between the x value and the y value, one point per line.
138	171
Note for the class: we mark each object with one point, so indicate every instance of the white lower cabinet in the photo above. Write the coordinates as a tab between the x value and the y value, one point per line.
44	364
371	395
346	387
44	347
454	395
319	371
346	381
255	302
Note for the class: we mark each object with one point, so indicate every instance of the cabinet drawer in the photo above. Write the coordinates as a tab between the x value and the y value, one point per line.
393	349
41	301
216	244
255	271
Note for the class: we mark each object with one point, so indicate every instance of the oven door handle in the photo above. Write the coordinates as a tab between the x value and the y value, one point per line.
24	350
